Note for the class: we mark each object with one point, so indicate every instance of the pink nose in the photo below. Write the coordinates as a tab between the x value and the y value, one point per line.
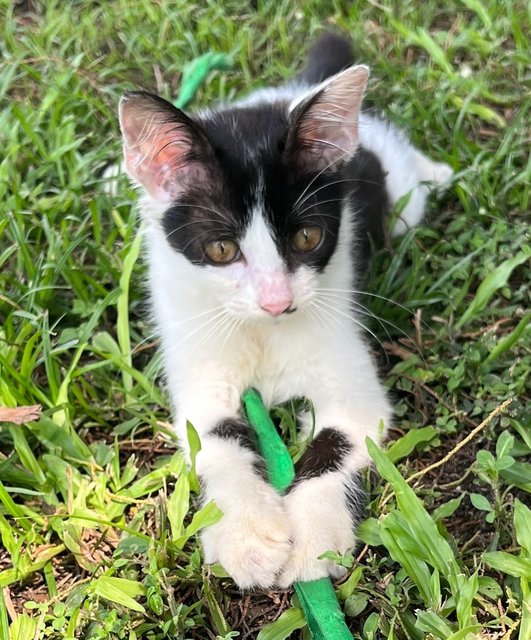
276	308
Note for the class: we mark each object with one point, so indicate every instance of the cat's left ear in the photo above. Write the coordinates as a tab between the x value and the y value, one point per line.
164	149
324	129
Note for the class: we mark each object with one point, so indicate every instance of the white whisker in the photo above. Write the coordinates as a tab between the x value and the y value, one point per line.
313	180
367	293
359	308
351	318
201	326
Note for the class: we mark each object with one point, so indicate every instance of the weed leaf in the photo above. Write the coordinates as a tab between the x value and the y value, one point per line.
289	621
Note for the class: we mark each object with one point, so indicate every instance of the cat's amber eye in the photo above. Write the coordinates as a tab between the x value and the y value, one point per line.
222	251
307	238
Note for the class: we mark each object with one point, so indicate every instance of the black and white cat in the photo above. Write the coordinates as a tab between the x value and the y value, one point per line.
257	218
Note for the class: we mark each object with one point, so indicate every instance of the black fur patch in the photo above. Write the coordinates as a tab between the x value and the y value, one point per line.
245	436
325	453
234	429
356	497
369	201
329	55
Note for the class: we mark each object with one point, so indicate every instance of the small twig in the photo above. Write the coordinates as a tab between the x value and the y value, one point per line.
9	603
362	553
396	350
463	442
158	78
491	327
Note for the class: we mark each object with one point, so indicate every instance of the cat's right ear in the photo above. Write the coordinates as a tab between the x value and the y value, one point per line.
324	123
164	150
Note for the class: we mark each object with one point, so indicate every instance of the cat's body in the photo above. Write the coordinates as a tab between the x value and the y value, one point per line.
257	220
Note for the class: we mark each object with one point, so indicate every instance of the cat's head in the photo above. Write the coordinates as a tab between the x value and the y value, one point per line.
249	195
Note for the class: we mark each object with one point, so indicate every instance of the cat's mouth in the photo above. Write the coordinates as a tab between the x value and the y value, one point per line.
277	318
275	312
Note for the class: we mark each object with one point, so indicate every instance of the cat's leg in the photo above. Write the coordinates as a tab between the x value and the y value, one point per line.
252	540
326	499
408	172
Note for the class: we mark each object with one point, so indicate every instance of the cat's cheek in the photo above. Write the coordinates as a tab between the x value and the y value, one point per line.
304	283
239	289
229	275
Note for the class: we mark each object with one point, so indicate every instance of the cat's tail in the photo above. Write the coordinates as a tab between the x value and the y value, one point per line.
329	55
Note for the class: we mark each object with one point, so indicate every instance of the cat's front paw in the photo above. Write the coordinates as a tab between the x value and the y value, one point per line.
253	545
319	522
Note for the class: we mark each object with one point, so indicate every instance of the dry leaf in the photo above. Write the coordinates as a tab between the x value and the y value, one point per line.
20	415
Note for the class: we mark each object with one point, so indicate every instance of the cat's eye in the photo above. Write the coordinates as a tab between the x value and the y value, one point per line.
222	251
307	238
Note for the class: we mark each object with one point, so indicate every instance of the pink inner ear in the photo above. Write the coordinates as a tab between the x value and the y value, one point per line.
327	128
155	150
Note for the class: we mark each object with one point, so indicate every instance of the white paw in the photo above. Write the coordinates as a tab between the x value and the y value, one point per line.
442	173
252	544
438	173
320	521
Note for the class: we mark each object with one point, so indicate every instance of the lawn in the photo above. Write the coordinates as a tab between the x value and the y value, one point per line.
98	514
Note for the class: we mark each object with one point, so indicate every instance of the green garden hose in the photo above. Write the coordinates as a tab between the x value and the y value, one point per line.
196	71
317	597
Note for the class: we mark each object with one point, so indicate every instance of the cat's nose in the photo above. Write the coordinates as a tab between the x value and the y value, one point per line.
277	308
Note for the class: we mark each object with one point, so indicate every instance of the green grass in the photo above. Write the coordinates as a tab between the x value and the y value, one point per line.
96	508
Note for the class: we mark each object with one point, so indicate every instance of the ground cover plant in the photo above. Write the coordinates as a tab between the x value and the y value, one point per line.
98	514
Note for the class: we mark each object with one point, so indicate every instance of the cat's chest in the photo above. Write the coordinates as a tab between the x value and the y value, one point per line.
280	358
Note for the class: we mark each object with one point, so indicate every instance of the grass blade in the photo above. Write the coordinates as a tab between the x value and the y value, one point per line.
522	526
406	444
507	563
122	307
523	327
494	281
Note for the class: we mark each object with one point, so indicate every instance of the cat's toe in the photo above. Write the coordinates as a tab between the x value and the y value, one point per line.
320	522
304	565
253	551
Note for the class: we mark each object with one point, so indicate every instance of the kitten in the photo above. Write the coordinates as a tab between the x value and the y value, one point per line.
258	217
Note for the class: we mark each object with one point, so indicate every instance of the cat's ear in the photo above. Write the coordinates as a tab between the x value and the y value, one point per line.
324	123
164	150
